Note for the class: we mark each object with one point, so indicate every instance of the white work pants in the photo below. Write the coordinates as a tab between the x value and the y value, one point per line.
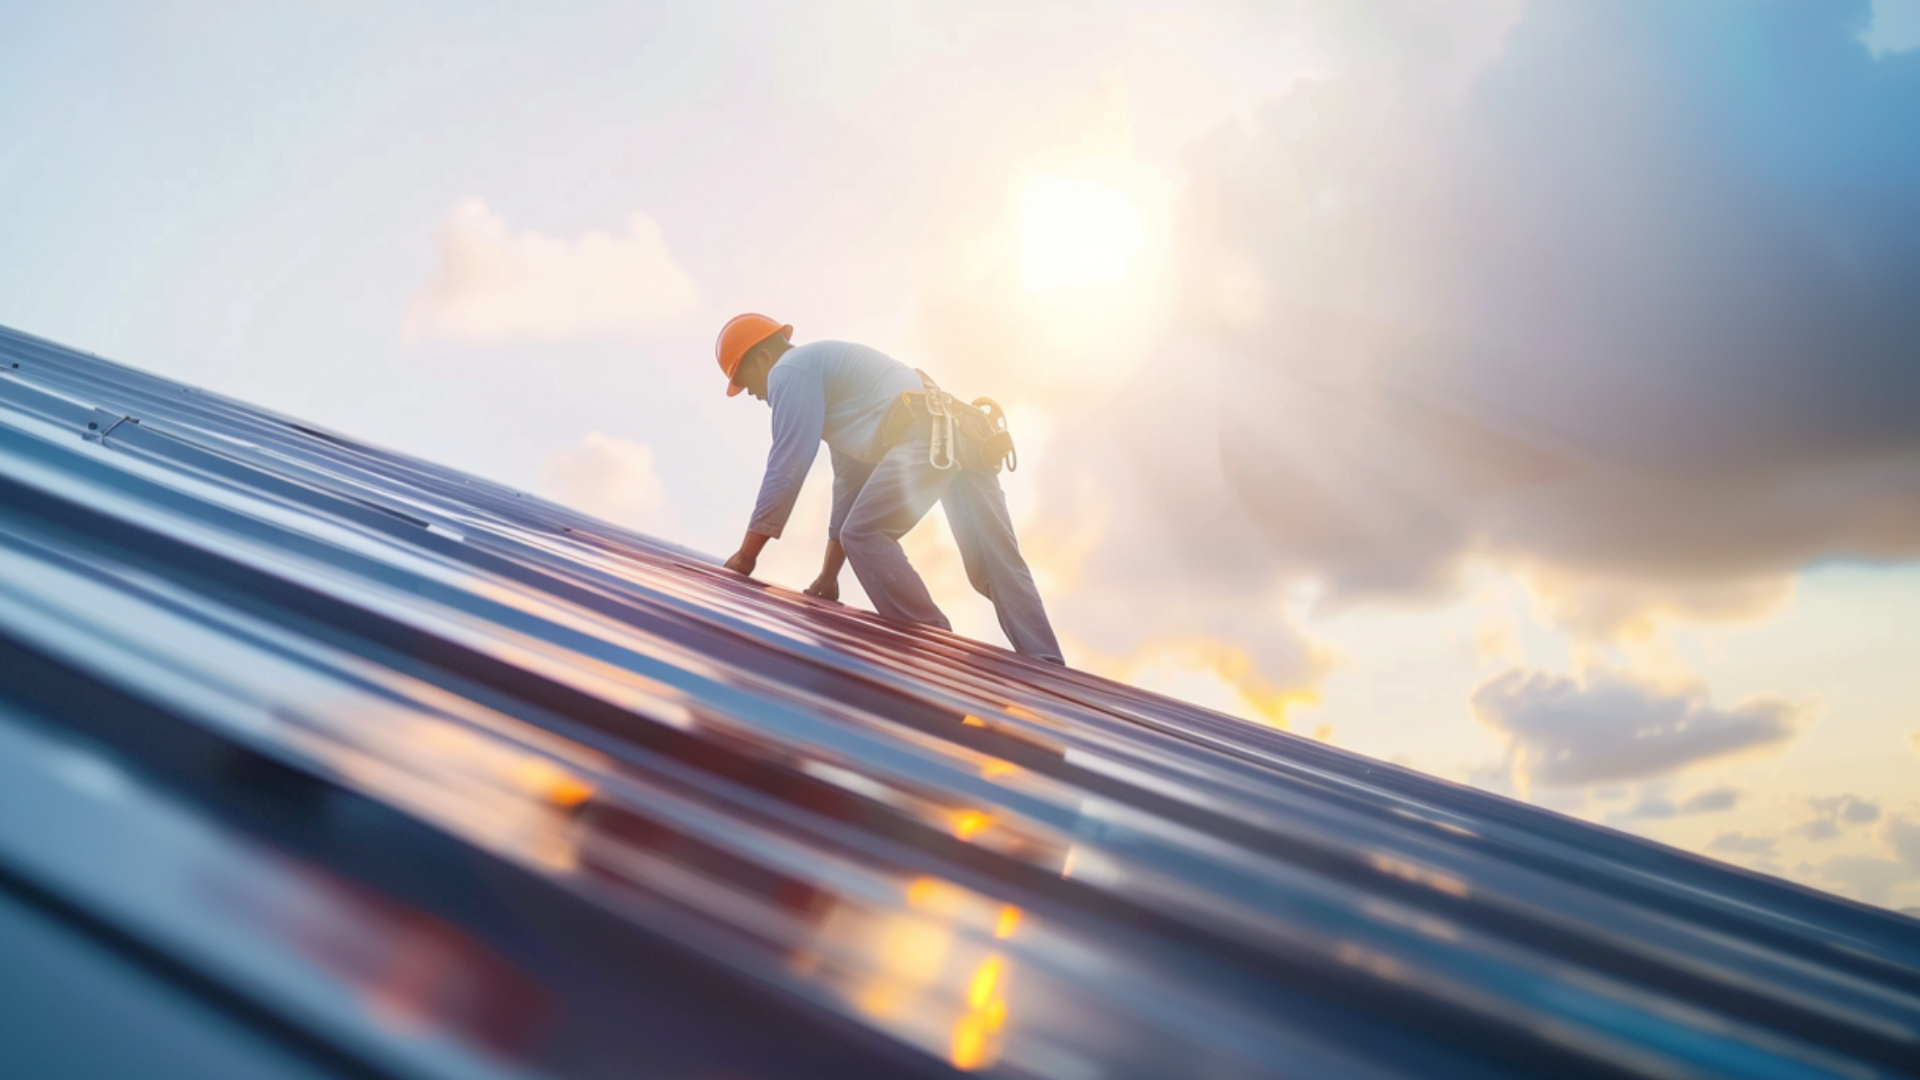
901	490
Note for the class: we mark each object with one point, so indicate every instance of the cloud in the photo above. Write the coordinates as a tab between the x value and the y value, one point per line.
1650	808
1608	607
1635	304
1736	843
492	284
1710	801
1156	629
1876	878
1170	662
1653	803
611	479
1901	835
1896	26
1829	813
1866	877
1564	731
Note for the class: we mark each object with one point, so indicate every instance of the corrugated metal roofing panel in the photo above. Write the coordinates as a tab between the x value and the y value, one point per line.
418	775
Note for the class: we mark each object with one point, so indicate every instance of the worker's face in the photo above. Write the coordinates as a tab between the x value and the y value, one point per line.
753	372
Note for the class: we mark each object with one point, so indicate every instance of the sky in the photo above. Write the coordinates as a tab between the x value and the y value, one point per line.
1525	391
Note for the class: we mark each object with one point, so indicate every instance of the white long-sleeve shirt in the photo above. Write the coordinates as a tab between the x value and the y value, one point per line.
834	392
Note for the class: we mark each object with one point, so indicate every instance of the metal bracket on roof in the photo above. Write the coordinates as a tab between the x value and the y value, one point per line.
102	423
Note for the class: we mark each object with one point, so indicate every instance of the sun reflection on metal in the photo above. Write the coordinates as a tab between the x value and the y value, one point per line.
934	971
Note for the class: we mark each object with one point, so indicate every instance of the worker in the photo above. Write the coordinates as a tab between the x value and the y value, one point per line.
883	480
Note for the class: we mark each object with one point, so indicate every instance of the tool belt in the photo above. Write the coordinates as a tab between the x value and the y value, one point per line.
961	435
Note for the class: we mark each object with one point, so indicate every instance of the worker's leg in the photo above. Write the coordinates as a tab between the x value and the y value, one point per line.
977	513
901	490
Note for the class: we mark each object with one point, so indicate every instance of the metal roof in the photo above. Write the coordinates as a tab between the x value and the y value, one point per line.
317	759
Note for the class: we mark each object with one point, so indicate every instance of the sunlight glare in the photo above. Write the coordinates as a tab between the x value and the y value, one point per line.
1076	232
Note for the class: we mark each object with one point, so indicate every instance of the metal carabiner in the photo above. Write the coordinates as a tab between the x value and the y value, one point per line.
940	449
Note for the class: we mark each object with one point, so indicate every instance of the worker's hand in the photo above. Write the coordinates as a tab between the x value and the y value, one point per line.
743	560
824	588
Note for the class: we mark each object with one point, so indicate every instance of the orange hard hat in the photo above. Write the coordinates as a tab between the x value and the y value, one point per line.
738	338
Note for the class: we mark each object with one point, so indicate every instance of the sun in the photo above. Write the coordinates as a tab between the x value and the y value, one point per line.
1076	233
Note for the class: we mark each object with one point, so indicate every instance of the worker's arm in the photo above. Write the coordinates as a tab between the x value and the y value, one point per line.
849	477
827	585
799	403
